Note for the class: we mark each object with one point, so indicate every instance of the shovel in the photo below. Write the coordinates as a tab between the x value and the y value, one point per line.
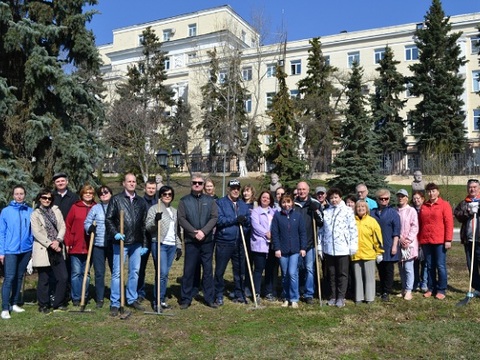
470	294
249	271
85	275
317	260
124	314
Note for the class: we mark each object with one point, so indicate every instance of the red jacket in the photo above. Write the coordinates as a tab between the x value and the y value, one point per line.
76	239
436	223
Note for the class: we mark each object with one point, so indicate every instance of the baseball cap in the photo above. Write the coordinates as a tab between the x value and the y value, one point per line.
402	192
320	189
234	183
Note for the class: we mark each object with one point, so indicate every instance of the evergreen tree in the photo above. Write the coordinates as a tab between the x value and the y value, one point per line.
437	120
178	126
138	114
318	121
50	108
358	159
386	105
282	151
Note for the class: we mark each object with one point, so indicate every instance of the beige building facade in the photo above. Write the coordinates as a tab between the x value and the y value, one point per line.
187	38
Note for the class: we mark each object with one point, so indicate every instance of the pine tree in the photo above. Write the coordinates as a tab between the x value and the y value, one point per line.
282	151
318	121
178	126
49	67
358	159
386	105
438	119
138	114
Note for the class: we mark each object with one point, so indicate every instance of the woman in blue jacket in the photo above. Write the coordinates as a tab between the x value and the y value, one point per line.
16	242
289	237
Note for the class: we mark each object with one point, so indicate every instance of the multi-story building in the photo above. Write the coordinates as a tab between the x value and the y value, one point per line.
187	38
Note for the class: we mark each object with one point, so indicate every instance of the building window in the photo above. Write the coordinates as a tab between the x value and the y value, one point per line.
379	55
222	76
247	73
192	56
140	40
408	93
167	63
293	94
192	30
244	36
476	119
271	70
476	80
269	99
475	45
411	53
295	67
248	104
353	57
167	34
327	60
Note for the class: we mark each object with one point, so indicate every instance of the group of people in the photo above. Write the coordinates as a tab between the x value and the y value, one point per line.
287	229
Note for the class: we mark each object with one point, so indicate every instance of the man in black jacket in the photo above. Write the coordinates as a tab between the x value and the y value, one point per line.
64	198
197	215
135	211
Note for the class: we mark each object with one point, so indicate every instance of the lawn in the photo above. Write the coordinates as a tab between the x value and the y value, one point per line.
421	328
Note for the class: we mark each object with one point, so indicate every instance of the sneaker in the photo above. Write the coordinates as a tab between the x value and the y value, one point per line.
427	294
213	305
340	303
285	303
17	309
408	295
6	315
294	305
43	310
140	299
258	298
424	289
270	297
385	297
440	296
114	311
219	302
240	301
137	306
401	294
76	303
99	304
184	306
164	305
309	301
476	293
331	302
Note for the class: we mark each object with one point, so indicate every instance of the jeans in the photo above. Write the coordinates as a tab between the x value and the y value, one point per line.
476	262
309	266
15	265
223	253
59	274
167	254
289	266
338	269
259	263
195	253
406	274
436	260
77	263
141	275
99	255
133	253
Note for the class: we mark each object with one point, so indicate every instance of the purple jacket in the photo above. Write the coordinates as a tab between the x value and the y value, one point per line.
261	219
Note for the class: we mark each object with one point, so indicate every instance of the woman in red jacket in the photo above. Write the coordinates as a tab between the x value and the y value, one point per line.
76	240
435	236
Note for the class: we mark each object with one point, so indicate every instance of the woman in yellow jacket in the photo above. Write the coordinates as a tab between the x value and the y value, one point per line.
369	250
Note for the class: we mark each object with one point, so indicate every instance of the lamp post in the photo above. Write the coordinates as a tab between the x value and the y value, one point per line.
223	151
162	160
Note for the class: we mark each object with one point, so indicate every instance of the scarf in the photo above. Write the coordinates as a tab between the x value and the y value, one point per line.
50	223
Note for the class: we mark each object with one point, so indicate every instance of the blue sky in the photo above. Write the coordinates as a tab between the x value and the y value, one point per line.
302	19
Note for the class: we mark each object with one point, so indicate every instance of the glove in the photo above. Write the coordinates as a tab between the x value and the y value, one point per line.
92	229
30	267
320	254
473	207
379	259
318	213
178	254
119	237
158	217
143	251
241	219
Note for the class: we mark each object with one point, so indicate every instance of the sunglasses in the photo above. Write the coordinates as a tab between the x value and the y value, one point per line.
197	182
383	198
167	195
47	198
105	192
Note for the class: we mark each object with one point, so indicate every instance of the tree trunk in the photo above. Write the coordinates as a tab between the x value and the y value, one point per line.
242	167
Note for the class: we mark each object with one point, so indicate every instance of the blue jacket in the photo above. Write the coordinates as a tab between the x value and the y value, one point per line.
289	234
15	231
227	225
389	221
97	214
